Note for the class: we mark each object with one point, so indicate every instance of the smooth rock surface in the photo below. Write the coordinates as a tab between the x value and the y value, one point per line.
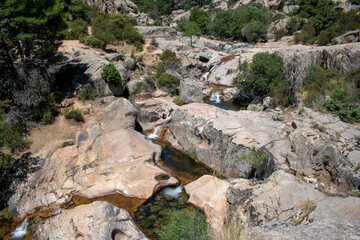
98	220
209	194
220	137
107	157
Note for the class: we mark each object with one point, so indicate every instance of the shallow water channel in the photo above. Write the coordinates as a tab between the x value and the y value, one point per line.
152	215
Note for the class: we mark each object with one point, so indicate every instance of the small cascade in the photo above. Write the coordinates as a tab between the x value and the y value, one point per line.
174	192
206	75
20	231
215	97
154	135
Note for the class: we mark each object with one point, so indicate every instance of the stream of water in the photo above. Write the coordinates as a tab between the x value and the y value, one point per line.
152	214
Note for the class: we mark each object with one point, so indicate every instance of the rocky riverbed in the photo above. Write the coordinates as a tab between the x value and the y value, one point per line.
309	179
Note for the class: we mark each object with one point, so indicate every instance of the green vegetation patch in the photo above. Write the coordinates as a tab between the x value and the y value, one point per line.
71	113
110	74
167	80
185	224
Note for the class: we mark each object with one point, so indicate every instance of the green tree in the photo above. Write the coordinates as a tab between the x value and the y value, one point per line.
201	18
191	29
265	72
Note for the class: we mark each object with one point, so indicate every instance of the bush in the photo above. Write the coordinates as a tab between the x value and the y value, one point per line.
47	117
71	113
294	25
168	56
326	36
316	85
255	158
254	31
85	94
131	35
110	74
139	46
167	80
340	105
76	29
185	224
307	35
92	42
265	72
240	23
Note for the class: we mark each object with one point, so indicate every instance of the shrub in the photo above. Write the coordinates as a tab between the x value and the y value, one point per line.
139	46
71	113
158	22
181	24
255	158
168	56
5	159
294	25
167	80
316	85
265	72
307	34
92	42
185	224
131	35
254	31
85	94
47	117
110	74
10	134
178	101
281	33
76	29
325	37
340	105
201	18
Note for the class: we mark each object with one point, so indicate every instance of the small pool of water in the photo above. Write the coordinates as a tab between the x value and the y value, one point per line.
179	164
153	214
224	105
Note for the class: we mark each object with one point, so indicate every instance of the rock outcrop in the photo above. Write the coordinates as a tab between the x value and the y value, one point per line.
220	137
168	33
98	220
284	202
84	67
209	194
101	159
341	58
113	6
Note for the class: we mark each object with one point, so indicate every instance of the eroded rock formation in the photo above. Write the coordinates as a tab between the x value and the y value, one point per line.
103	158
98	220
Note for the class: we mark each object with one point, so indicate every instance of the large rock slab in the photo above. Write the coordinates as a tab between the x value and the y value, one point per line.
220	137
209	194
154	111
224	73
98	220
324	229
105	158
286	199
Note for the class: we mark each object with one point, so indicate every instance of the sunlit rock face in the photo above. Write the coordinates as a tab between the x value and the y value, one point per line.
103	158
221	137
99	220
